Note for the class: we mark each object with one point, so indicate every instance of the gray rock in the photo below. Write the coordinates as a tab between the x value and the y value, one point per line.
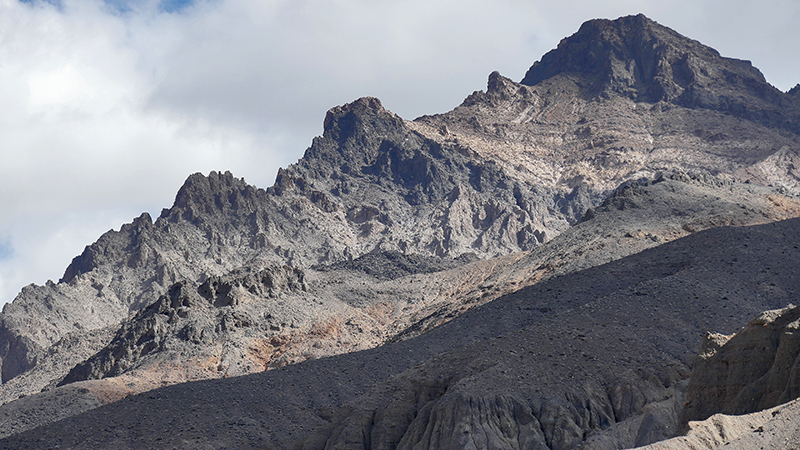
442	235
754	369
638	58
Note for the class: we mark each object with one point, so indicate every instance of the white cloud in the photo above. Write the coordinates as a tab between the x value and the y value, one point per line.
105	108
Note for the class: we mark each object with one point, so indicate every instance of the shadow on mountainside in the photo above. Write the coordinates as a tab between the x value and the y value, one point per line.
579	353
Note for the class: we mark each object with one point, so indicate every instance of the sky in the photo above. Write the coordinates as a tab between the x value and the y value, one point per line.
106	107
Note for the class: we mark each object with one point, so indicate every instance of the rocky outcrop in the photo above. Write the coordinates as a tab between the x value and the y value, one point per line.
432	419
401	191
393	264
722	431
45	315
754	369
743	388
193	319
637	58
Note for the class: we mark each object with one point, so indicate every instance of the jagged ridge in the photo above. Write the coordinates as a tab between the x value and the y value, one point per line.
368	183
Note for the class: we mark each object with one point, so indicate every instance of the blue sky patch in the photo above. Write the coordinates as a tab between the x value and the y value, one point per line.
56	3
172	6
6	250
124	6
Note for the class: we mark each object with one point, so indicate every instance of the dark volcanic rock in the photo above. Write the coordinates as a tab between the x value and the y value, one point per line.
636	57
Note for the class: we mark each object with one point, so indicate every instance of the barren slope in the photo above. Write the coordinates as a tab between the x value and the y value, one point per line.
264	317
622	335
387	229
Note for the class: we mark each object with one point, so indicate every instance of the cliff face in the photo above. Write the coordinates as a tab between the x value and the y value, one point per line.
387	231
743	389
754	369
403	191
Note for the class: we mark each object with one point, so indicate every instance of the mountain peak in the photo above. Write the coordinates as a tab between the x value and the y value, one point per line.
359	107
637	58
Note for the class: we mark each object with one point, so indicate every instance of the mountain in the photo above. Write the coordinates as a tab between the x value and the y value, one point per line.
636	58
578	360
535	268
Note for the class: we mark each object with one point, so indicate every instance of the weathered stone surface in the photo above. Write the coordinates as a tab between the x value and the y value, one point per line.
647	311
737	380
629	136
754	369
639	59
746	432
228	325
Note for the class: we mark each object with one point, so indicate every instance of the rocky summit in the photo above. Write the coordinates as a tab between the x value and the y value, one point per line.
538	268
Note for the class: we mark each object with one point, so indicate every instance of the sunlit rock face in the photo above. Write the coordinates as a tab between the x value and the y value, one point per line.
534	268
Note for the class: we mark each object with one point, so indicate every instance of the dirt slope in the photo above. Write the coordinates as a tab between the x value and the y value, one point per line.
622	334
